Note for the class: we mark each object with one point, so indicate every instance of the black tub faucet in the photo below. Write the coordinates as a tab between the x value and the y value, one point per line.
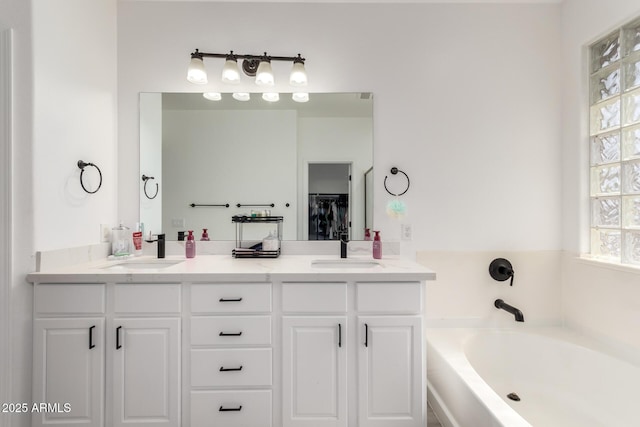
509	308
344	239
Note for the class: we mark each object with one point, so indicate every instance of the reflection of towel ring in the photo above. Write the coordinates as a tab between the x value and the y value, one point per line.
82	165
146	179
394	171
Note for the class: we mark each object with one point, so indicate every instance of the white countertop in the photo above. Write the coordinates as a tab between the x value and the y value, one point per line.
223	267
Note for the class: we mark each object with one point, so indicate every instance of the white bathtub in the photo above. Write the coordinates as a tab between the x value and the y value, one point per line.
562	379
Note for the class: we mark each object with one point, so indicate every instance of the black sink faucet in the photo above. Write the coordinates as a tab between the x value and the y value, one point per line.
344	239
511	309
161	244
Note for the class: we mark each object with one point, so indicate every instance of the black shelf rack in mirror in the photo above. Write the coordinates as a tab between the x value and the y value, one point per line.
255	250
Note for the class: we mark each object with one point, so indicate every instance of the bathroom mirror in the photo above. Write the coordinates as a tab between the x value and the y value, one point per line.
205	161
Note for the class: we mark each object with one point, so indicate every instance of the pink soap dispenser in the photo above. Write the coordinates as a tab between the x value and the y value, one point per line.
367	234
190	245
377	245
205	235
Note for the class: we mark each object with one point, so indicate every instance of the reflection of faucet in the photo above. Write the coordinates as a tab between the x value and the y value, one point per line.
161	244
344	239
511	309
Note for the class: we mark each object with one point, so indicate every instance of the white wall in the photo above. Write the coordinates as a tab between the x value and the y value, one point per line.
151	162
474	118
597	299
467	103
74	51
196	147
64	110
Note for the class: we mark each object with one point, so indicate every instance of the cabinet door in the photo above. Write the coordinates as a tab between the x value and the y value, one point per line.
68	372
390	385
314	371
146	372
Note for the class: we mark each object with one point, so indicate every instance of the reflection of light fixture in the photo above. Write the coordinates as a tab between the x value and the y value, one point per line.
271	96
212	96
300	96
196	73
252	65
241	96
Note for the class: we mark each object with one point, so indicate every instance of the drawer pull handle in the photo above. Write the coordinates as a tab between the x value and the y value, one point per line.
223	409
223	369
366	335
339	334
118	345
230	334
230	299
91	344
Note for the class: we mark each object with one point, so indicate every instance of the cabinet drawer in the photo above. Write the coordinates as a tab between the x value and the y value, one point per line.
236	298
231	367
69	299
142	298
401	297
231	330
314	297
231	408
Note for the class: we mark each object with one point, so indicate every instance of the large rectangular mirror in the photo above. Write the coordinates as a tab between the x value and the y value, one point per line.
205	161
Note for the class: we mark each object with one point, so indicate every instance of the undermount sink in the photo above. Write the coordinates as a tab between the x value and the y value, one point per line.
344	263
142	265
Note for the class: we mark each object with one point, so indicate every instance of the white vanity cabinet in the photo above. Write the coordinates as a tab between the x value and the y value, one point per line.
371	328
124	373
69	354
220	342
314	355
230	356
390	355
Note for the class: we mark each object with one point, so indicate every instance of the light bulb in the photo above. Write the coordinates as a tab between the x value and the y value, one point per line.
264	75
300	96
271	96
230	71
241	96
212	96
196	72
298	74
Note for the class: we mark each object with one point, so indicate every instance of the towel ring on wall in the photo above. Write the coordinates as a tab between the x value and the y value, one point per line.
82	165
146	179
394	171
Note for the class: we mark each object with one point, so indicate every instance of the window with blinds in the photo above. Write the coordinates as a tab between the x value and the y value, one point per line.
615	145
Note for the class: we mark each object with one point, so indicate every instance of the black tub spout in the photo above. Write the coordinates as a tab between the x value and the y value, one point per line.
509	308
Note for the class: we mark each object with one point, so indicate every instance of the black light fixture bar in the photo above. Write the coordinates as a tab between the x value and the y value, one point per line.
198	54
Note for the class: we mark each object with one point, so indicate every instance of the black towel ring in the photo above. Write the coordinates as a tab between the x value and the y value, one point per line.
394	171
82	165
146	179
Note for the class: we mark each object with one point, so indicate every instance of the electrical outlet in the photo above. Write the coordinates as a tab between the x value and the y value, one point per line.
406	232
177	223
105	233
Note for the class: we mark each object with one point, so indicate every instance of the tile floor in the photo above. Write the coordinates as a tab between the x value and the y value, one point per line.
432	421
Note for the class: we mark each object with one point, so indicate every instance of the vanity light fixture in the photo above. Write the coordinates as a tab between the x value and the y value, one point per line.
252	65
196	73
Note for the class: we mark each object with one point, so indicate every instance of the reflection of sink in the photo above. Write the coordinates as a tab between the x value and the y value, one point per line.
344	263
142	265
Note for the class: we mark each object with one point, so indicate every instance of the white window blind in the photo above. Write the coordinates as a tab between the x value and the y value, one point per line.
614	129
